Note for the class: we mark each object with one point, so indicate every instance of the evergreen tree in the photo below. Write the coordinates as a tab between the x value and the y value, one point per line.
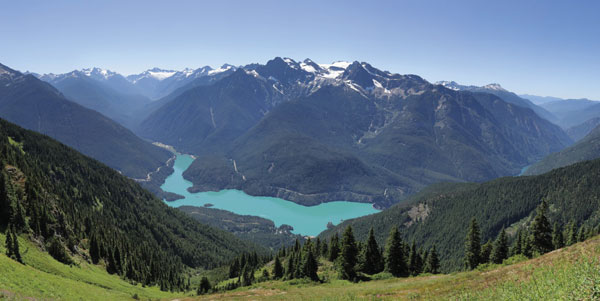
414	260
8	243
290	269
517	247
15	248
371	259
486	252
311	266
500	250
247	275
324	249
527	246
298	272
395	262
558	240
4	202
541	231
334	248
348	256
94	250
277	269
581	233
472	246
234	269
204	286
432	263
571	233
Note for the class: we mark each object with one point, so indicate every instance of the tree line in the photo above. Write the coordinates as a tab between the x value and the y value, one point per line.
353	260
537	239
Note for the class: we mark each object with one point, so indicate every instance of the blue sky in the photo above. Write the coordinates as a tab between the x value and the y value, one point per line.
537	47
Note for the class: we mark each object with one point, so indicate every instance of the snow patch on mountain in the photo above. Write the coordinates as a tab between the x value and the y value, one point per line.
221	69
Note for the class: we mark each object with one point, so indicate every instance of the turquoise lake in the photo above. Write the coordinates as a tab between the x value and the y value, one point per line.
305	220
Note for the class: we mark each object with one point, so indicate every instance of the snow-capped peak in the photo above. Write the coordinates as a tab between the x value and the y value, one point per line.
98	72
222	69
452	85
494	86
160	74
335	69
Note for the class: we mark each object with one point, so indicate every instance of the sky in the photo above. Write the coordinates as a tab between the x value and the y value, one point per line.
547	48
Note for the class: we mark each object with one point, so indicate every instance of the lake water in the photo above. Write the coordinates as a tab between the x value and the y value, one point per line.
305	220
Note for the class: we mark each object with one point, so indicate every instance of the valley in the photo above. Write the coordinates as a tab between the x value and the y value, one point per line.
305	220
314	150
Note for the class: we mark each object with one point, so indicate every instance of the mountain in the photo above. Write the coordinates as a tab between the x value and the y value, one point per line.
587	148
157	83
84	88
76	208
579	131
345	131
539	100
505	95
36	105
440	214
572	112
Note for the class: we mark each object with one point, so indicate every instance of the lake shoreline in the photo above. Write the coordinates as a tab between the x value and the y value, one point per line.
306	220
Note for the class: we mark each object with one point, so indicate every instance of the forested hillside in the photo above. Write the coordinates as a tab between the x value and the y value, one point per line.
440	215
587	148
72	206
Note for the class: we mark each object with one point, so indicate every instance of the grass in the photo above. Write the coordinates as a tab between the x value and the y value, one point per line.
42	277
571	273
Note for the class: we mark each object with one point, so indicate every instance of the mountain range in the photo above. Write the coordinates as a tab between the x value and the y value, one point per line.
585	149
311	133
36	105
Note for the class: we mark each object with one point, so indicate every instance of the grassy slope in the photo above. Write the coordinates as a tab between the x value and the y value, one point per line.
569	273
42	277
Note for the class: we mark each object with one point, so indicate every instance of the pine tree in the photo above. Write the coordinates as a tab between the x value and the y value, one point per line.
371	259
432	263
541	231
9	243
414	260
517	247
486	252
527	246
277	269
581	233
204	286
348	256
4	201
324	249
311	266
290	269
558	240
247	275
500	250
94	250
571	233
334	248
472	246
395	262
15	252
234	269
